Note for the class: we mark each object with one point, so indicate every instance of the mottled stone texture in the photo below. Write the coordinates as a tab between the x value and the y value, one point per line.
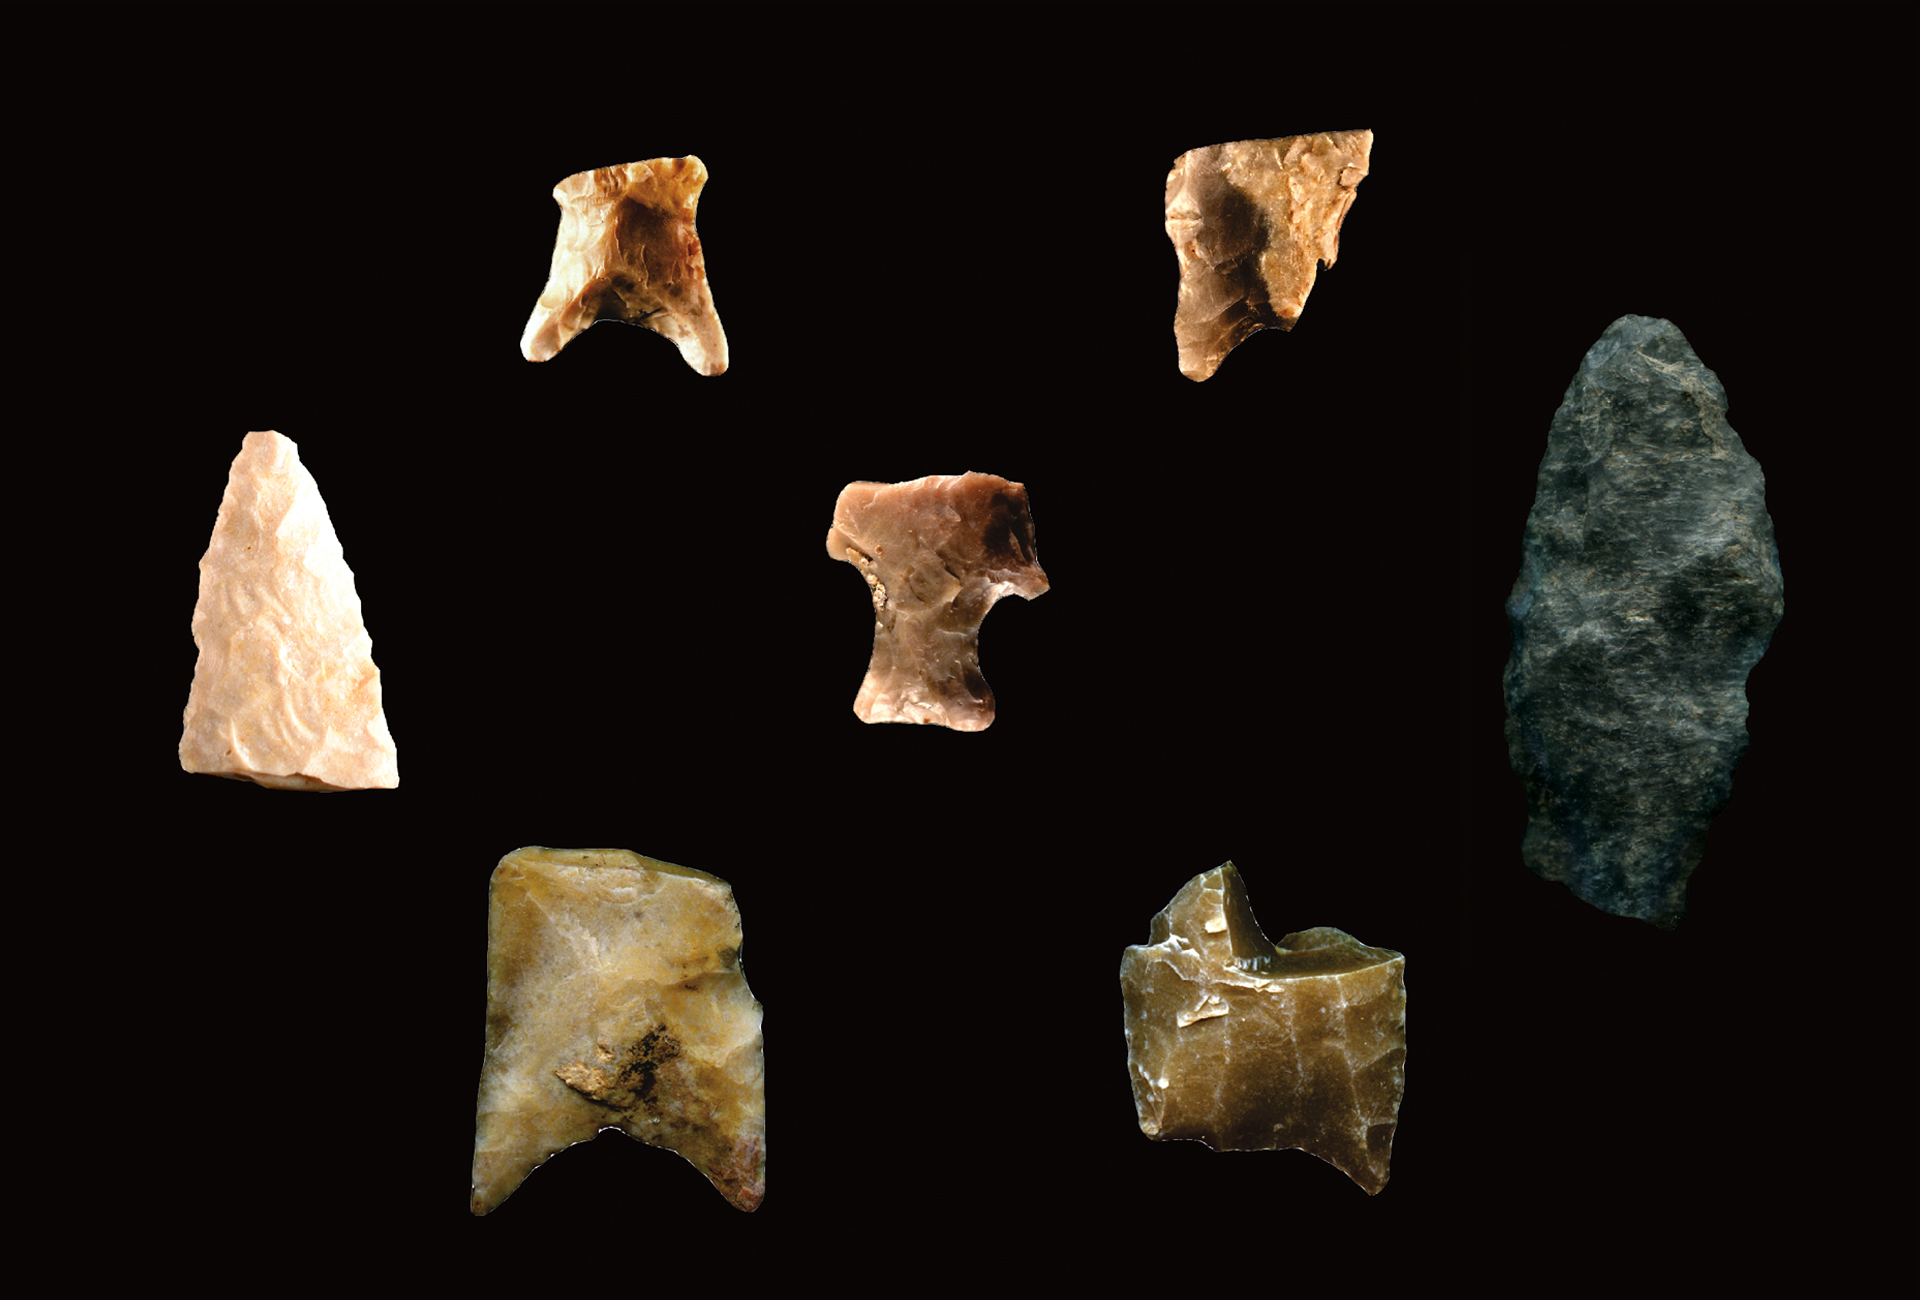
1247	1045
937	553
615	999
1249	221
1649	588
285	693
628	251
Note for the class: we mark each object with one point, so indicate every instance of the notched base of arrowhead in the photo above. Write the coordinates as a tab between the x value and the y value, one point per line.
615	1000
628	251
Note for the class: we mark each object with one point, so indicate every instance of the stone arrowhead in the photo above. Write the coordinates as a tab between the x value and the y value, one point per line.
1649	588
1248	222
627	251
285	692
937	553
1245	1045
615	999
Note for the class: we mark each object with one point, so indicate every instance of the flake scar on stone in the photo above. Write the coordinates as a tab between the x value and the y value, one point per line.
937	553
615	999
285	691
1248	222
875	587
1246	1045
628	251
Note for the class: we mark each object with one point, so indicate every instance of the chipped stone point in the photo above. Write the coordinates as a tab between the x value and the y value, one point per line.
1246	1045
1649	588
628	251
616	999
285	691
936	554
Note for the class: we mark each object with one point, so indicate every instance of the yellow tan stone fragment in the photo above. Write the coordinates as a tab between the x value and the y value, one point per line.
285	691
615	999
628	251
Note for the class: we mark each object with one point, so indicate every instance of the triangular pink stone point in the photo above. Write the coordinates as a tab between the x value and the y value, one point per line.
285	693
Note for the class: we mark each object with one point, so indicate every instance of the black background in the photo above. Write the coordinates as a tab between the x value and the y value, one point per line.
604	617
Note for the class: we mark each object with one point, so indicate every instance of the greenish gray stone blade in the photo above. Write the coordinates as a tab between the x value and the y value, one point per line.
1649	588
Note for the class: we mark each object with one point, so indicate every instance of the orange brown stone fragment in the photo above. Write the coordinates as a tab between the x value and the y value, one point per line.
1246	1045
1248	222
628	251
615	999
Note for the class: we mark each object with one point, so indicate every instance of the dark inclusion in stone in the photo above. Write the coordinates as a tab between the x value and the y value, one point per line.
1649	587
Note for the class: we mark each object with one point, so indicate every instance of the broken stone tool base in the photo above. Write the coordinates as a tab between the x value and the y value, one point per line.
628	251
1249	221
1247	1045
615	999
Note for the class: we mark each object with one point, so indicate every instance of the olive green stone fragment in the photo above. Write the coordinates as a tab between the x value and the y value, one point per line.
1246	1045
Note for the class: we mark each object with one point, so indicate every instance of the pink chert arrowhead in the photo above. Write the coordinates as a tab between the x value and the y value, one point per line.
285	693
937	553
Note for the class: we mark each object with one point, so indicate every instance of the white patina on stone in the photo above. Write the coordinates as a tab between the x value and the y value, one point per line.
285	693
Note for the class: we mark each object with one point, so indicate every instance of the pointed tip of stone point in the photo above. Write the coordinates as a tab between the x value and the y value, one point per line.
1648	326
1228	873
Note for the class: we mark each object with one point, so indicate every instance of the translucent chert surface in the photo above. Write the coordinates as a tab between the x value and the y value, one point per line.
628	251
936	553
285	692
1248	222
1243	1044
615	999
1649	588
